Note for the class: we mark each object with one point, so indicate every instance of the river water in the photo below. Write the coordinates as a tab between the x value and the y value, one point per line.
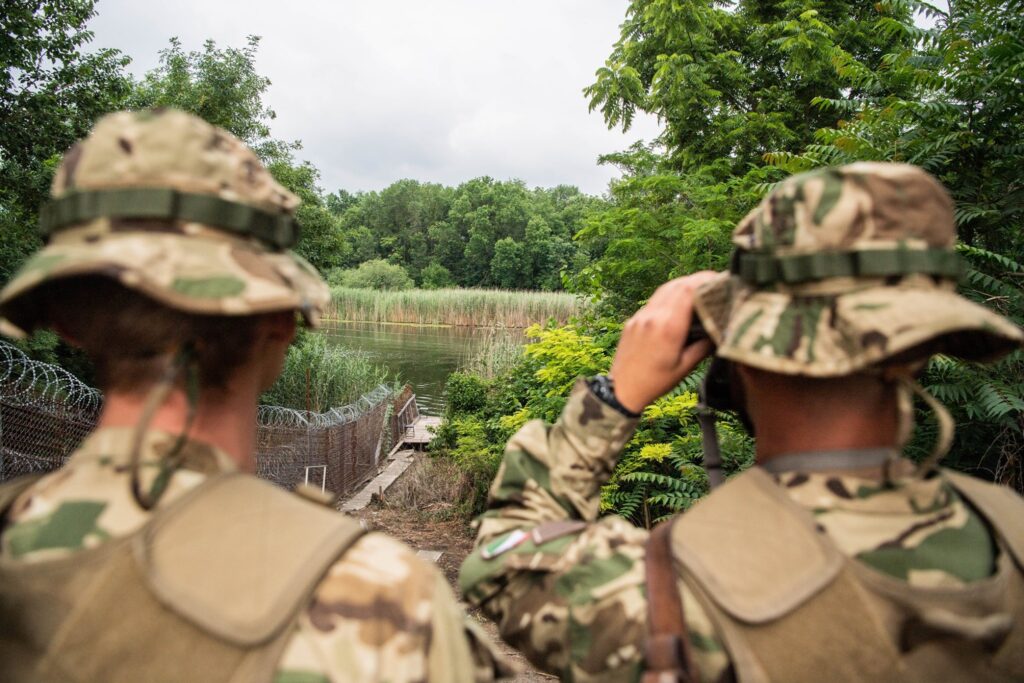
422	356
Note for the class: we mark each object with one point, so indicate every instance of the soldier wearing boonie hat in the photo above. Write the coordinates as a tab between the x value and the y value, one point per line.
834	558
150	556
177	210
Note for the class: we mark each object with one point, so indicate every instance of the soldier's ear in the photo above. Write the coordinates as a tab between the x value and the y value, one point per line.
64	334
279	326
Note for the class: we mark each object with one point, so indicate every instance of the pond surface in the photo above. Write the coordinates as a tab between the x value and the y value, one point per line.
421	356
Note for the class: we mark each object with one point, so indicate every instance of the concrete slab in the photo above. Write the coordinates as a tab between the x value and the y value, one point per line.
432	555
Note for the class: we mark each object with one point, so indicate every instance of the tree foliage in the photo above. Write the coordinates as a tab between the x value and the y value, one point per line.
482	233
950	99
219	85
52	92
986	400
730	81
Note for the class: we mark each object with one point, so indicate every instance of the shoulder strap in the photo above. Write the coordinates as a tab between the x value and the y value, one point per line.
754	551
667	654
11	489
240	557
1001	507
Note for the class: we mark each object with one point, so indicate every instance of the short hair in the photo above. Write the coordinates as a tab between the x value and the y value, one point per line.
129	337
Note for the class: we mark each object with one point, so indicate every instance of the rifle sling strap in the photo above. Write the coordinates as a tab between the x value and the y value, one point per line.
667	653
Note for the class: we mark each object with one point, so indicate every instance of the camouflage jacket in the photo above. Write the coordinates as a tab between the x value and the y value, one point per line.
380	613
576	604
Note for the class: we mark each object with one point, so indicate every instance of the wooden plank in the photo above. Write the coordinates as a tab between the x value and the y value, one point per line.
380	483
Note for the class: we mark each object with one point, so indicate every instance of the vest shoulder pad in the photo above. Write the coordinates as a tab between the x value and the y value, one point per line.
239	557
12	488
1001	507
753	551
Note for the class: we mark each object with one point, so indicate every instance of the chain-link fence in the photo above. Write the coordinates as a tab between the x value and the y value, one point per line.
336	450
45	412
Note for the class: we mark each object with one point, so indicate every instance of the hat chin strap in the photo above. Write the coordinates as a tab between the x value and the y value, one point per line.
184	361
709	443
906	388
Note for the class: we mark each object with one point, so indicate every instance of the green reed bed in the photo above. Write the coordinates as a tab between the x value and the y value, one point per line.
497	355
319	376
459	307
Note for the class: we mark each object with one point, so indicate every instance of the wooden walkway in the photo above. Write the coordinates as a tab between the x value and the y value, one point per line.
401	456
400	462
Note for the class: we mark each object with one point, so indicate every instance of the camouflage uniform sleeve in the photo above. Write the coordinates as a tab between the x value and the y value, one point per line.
574	605
383	614
571	597
556	472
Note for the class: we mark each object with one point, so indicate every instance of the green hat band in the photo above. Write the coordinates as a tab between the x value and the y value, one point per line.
759	270
278	230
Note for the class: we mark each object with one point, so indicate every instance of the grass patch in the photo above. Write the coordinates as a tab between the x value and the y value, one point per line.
432	486
457	307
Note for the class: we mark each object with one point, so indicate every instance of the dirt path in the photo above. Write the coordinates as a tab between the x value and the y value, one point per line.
454	540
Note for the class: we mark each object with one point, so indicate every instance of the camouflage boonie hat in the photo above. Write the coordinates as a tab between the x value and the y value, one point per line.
175	209
844	268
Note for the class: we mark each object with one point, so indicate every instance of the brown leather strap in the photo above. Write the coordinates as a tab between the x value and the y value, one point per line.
667	652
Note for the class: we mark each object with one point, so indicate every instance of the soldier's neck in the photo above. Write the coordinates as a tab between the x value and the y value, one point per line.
800	415
225	419
844	431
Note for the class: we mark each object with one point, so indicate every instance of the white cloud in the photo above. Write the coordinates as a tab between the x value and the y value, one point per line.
439	91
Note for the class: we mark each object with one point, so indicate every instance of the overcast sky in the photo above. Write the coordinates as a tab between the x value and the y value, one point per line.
435	90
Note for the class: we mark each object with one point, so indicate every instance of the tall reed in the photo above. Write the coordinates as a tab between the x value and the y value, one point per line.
497	354
459	307
318	376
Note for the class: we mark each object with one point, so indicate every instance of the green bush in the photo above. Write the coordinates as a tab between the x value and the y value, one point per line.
436	276
464	393
46	346
660	470
376	274
335	276
985	400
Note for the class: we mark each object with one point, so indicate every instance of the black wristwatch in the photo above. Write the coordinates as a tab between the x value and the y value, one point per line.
603	387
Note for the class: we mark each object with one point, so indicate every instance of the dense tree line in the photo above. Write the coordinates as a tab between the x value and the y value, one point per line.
52	92
483	233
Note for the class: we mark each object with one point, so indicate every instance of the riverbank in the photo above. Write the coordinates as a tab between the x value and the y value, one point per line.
451	307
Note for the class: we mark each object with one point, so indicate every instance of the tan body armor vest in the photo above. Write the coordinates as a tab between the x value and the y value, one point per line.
789	606
207	590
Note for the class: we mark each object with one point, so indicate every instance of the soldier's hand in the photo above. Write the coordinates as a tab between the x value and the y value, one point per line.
651	358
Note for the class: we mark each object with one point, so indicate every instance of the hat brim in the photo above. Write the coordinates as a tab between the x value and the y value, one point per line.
187	273
839	334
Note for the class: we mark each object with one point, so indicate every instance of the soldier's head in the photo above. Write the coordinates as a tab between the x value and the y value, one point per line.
164	233
842	272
